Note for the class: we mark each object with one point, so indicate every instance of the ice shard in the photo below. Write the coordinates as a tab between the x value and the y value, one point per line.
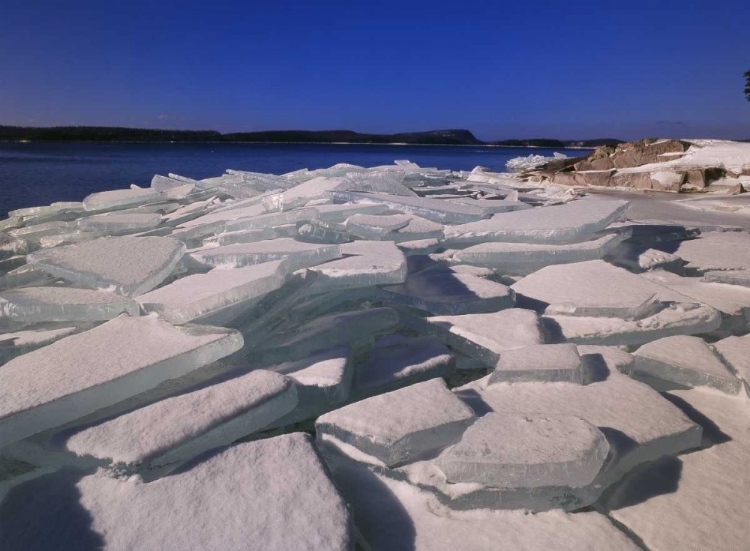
61	304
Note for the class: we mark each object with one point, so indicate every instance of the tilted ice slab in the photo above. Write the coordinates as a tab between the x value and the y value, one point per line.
206	295
44	304
300	195
484	337
442	291
400	426
592	289
120	198
494	206
686	361
568	223
395	515
365	264
36	232
735	351
298	255
269	494
328	332
116	222
127	265
716	251
271	220
57	384
443	212
676	319
159	437
323	380
339	213
240	236
215	222
524	258
516	450
11	246
706	504
417	229
397	361
543	363
732	277
371	226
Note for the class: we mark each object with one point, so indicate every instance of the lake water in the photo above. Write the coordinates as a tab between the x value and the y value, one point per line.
40	173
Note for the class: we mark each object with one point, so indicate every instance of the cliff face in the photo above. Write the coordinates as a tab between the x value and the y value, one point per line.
657	165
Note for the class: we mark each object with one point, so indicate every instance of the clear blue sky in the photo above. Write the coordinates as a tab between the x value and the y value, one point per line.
624	68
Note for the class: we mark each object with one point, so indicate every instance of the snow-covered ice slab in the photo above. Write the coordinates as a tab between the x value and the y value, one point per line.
398	516
676	319
716	251
397	361
437	210
591	289
524	258
375	227
20	342
329	332
442	291
82	373
543	363
735	351
400	426
115	222
45	304
365	264
298	255
258	496
120	198
417	229
127	265
484	336
515	450
568	223
684	360
706	504
201	296
494	206
161	436
731	277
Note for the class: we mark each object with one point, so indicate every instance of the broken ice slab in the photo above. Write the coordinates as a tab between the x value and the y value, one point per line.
375	227
379	181
127	265
300	195
187	213
37	213
215	222
298	255
637	259
542	363
442	291
45	304
159	437
400	426
684	360
328	332
163	183
10	264
417	229
715	251
525	258
20	342
56	384
36	232
443	212
494	206
592	289
731	277
271	220
120	198
365	264
320	232
11	246
200	296
339	213
735	351
731	300
397	361
69	238
483	336
517	450
419	247
568	223
270	494
115	222
323	379
242	236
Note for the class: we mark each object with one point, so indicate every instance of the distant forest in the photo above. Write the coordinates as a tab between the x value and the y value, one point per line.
116	134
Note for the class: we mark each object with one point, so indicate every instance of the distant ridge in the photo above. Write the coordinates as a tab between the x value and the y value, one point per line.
120	134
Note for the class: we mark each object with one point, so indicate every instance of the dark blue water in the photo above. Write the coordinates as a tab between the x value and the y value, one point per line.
39	174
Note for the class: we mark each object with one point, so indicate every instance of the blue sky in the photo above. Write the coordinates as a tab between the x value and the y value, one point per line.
499	68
